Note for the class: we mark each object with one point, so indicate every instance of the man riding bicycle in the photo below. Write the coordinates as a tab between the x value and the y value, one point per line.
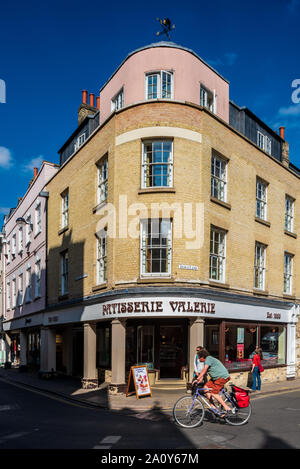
218	378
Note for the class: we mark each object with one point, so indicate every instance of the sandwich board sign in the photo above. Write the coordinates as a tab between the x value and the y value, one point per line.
140	378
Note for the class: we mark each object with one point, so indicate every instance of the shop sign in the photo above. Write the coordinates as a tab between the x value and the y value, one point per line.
158	307
273	315
188	267
140	377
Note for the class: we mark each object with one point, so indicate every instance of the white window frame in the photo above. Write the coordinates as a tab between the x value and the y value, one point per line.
102	180
101	257
28	297
8	296
64	272
160	80
261	199
146	165
38	218
264	142
8	252
14	293
28	230
288	273
260	266
21	240
14	245
219	177
289	214
206	95
20	289
117	101
217	255
37	289
147	247
65	209
80	141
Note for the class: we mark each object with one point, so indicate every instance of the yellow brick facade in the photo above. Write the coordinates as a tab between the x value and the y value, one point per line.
191	185
192	179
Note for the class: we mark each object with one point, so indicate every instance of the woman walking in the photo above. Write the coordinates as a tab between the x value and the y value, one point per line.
256	369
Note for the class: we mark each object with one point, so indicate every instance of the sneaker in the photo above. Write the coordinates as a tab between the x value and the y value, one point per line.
230	412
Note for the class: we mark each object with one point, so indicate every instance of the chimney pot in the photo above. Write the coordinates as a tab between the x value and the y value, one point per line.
35	171
281	132
84	96
98	102
92	99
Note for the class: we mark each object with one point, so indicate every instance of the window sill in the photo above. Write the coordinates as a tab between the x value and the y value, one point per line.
101	286
289	233
63	230
288	297
99	206
157	190
213	283
155	280
220	202
256	291
263	222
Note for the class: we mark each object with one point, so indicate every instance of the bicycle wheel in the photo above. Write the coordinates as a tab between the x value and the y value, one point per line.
240	415
188	412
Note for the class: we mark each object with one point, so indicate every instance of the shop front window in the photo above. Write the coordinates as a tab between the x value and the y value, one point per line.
212	339
240	343
103	347
273	345
145	345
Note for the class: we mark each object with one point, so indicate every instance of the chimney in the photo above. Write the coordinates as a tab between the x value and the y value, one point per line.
285	157
35	172
84	96
98	102
86	109
92	100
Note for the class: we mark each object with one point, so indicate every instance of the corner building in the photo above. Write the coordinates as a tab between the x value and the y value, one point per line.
172	223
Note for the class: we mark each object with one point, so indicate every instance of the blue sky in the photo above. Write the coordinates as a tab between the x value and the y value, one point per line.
50	51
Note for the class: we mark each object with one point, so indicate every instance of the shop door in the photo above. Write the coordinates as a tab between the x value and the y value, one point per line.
172	355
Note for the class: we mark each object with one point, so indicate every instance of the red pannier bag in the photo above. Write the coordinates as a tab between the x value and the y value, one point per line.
241	396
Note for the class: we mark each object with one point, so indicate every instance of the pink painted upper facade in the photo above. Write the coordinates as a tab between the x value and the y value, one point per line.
25	258
187	74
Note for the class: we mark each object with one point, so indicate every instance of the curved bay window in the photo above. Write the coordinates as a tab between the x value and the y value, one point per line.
234	343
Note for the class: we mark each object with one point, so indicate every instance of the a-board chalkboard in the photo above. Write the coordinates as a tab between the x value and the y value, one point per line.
139	376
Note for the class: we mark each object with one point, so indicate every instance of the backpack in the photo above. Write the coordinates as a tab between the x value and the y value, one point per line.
240	396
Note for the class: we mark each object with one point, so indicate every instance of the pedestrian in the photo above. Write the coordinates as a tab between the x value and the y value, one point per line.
198	366
256	369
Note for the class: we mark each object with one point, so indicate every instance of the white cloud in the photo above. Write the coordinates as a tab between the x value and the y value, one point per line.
293	110
4	210
33	163
229	58
6	160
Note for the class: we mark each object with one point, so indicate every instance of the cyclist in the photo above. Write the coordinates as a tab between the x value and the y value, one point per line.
218	378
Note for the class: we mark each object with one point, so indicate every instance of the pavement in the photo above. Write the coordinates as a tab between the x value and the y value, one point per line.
164	393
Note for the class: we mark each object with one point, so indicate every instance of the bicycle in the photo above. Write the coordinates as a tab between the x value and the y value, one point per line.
189	411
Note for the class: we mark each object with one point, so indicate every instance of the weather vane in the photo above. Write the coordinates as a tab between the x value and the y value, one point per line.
167	27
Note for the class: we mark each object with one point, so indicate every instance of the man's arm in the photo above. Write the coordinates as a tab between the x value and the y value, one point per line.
202	374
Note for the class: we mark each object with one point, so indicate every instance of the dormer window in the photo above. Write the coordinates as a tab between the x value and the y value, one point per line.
159	85
264	142
80	140
118	101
